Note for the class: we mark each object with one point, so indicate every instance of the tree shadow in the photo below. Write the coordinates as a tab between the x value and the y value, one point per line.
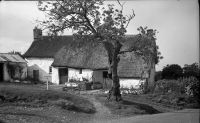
148	109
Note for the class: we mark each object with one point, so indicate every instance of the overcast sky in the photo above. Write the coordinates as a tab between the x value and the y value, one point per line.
176	20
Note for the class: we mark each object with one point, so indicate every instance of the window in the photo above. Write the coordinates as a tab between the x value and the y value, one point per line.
80	71
50	70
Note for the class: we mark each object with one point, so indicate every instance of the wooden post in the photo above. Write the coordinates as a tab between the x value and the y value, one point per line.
47	84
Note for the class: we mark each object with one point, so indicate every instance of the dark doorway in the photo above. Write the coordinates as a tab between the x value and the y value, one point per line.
107	75
1	72
63	75
36	75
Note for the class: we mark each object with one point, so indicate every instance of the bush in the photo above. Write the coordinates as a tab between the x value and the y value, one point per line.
165	86
183	92
191	86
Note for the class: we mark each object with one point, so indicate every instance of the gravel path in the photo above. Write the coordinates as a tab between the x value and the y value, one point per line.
102	114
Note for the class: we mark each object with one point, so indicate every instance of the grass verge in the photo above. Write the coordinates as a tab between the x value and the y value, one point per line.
35	95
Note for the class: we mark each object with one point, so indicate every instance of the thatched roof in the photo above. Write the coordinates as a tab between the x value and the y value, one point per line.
47	47
82	55
90	55
68	52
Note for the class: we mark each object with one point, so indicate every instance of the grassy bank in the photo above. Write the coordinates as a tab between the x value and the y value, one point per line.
36	96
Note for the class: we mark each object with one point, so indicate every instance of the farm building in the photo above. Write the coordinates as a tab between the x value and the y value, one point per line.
62	59
12	67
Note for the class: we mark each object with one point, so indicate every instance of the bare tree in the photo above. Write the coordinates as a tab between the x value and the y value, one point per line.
91	19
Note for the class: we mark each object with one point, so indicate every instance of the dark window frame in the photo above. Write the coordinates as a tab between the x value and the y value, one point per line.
80	71
50	69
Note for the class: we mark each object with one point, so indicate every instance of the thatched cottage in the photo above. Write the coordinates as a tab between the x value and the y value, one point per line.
12	67
63	58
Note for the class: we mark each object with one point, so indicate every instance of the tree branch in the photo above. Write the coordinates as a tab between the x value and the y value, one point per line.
130	18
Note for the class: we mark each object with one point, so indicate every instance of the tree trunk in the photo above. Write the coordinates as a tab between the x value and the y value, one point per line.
115	90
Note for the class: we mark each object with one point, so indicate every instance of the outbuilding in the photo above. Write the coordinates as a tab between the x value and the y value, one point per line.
12	67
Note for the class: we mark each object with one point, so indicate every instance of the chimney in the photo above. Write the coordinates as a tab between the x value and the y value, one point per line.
37	34
150	32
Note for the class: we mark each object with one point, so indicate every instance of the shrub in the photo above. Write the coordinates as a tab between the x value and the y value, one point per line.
191	86
165	86
131	90
85	79
182	92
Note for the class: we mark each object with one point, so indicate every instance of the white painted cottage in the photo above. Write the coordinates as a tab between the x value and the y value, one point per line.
62	59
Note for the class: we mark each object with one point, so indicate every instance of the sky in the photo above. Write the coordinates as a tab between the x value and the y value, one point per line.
177	22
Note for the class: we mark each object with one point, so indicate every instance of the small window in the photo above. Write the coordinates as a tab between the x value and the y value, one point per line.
80	71
50	69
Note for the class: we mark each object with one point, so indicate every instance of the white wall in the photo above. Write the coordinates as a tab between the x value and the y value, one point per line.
6	75
41	64
74	74
55	75
129	83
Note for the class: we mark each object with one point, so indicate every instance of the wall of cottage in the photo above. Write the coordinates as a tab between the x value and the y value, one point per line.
75	74
41	64
97	76
55	75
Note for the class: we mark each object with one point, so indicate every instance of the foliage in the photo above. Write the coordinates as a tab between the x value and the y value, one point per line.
156	54
158	75
191	85
84	17
173	71
85	79
191	70
165	86
131	90
183	91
